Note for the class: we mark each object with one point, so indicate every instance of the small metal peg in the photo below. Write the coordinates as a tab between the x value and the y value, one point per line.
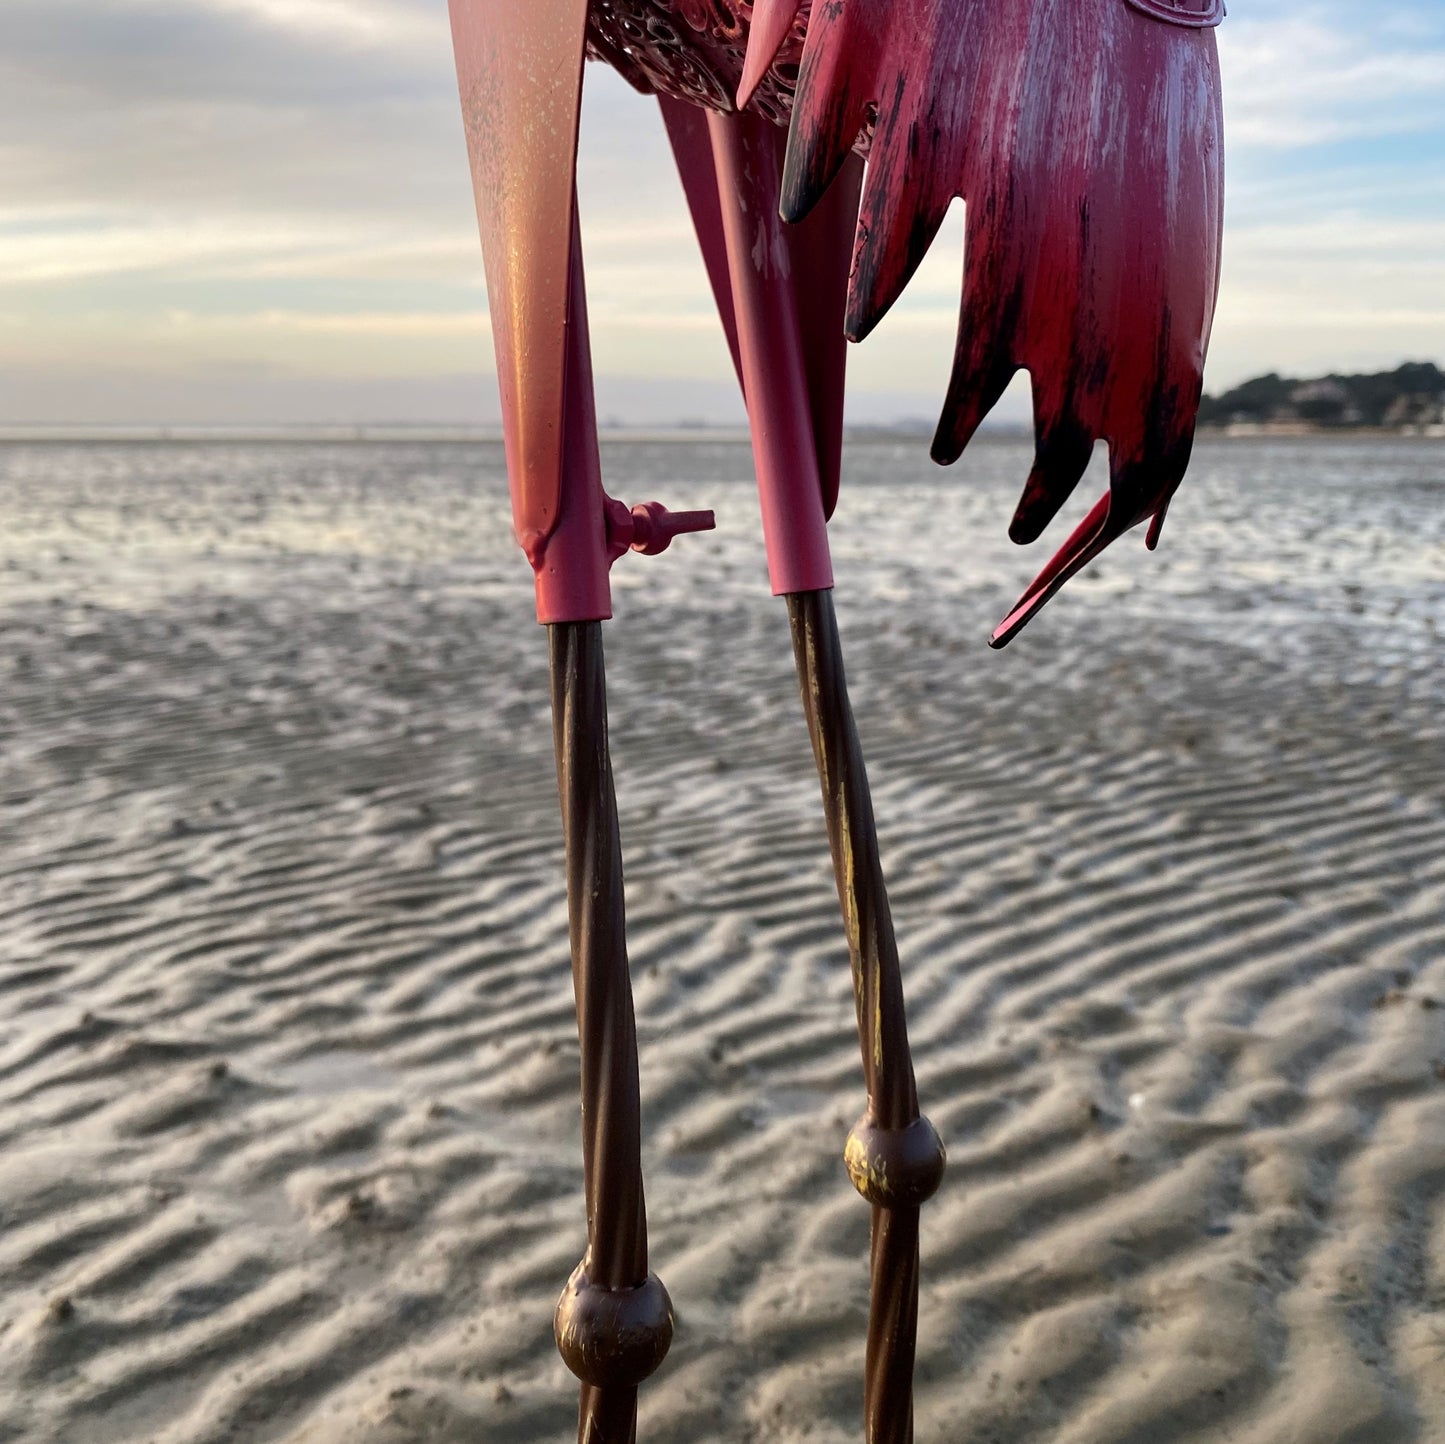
653	526
649	527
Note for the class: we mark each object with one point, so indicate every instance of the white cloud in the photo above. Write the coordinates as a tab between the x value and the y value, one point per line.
1294	81
281	185
368	23
107	249
418	324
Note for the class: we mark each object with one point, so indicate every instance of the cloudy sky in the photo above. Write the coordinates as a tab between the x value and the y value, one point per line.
243	211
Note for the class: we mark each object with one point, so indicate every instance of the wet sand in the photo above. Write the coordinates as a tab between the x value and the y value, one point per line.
289	1138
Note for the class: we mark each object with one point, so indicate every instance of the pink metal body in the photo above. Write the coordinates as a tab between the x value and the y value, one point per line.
1084	135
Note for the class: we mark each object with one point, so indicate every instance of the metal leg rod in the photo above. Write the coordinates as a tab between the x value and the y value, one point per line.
614	1321
894	1156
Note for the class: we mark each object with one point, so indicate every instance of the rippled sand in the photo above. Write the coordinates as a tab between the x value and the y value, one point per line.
289	1143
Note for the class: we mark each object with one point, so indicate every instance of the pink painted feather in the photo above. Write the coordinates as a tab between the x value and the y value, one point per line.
1085	137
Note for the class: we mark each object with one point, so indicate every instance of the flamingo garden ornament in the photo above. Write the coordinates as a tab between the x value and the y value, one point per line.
1085	138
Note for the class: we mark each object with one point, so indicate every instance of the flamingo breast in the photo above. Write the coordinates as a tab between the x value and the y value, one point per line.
693	50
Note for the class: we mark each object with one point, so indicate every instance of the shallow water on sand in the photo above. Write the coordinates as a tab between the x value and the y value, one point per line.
288	1123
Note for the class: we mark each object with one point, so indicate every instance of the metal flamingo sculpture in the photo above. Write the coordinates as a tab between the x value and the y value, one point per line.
1085	137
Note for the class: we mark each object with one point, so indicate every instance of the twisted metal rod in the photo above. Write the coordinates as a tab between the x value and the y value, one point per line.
894	1156
614	1320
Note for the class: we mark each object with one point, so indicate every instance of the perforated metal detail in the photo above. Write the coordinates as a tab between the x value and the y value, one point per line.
693	50
1195	14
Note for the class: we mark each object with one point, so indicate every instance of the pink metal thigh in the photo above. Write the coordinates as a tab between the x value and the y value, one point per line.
760	266
572	567
519	70
781	292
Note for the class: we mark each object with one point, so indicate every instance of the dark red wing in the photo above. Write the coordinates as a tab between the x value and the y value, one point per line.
1085	137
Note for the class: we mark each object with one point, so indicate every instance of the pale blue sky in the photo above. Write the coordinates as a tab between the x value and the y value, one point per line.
255	210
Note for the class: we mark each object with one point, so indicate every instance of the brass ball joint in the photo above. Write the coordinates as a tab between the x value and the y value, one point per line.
895	1167
613	1338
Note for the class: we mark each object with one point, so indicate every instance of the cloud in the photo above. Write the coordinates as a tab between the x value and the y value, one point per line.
470	324
1309	76
101	247
231	107
363	24
281	185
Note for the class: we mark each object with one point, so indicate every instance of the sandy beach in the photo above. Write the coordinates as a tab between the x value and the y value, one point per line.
289	1135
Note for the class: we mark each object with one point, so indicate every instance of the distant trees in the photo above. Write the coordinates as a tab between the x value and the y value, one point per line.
1412	395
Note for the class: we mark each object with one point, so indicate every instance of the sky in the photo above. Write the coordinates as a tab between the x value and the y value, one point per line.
258	211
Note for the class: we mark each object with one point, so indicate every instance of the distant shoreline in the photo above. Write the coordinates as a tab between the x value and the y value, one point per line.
330	435
327	435
1254	430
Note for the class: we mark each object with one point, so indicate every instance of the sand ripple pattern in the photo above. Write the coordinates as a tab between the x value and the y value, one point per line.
289	1143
